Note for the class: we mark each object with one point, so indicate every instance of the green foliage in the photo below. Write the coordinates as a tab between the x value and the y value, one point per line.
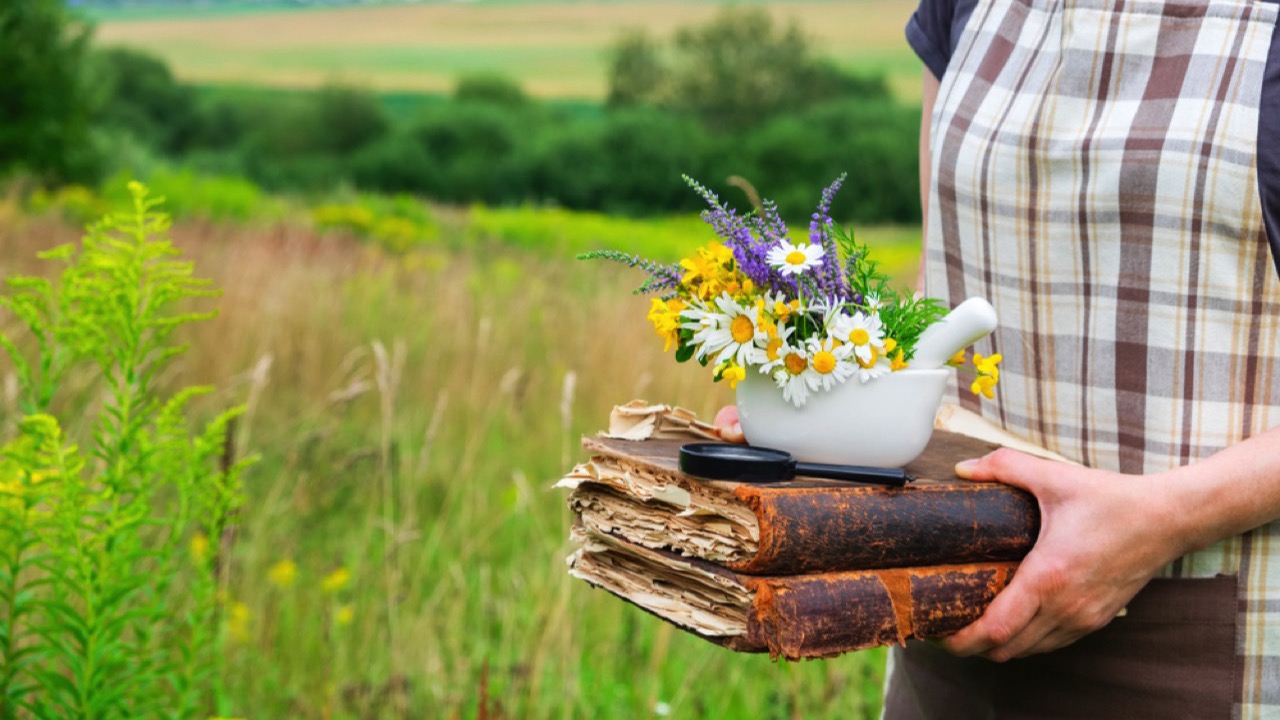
490	88
303	141
143	98
348	119
733	73
397	163
558	232
46	101
108	592
904	315
397	223
186	194
476	150
875	142
190	194
637	73
735	97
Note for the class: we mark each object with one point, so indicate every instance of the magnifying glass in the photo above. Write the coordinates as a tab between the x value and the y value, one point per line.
744	463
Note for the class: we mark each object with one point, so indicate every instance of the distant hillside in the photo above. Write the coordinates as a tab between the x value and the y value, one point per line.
553	48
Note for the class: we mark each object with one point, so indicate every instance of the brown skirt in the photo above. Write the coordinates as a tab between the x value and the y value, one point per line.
1173	655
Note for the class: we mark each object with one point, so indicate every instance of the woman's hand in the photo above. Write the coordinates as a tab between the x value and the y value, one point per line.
727	423
1102	536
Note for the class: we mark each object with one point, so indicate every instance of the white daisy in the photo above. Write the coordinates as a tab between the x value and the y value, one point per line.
832	311
776	349
791	375
729	334
794	259
863	332
829	362
873	367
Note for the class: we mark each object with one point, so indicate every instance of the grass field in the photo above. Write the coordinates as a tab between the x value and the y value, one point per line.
411	412
555	49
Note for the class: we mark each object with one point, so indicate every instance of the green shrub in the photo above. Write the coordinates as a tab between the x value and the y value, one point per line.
108	550
397	163
190	194
734	72
46	99
346	119
477	150
876	143
398	223
490	89
143	98
630	161
76	203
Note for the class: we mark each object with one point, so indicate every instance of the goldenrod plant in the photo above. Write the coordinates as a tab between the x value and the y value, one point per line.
109	543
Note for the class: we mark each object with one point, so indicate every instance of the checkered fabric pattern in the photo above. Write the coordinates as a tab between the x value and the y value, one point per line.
1095	178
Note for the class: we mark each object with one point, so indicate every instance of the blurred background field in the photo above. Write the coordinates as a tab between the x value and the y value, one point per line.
553	49
416	347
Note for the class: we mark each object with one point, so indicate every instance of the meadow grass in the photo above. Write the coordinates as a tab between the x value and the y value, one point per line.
401	553
555	49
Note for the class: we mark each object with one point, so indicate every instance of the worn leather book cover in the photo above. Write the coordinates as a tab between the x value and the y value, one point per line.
635	490
795	617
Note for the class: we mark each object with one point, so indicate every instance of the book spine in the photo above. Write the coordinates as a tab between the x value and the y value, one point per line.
818	530
826	615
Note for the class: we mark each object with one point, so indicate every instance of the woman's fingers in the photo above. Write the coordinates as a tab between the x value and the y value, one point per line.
727	425
1008	616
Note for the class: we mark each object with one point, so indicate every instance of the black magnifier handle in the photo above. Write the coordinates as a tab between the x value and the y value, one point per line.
893	477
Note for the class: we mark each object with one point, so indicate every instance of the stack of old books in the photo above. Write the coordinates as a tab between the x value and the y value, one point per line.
801	569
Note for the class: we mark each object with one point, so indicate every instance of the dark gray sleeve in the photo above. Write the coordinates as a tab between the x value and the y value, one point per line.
1269	149
929	32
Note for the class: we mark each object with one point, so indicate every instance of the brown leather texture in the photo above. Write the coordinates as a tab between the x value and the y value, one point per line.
810	525
825	615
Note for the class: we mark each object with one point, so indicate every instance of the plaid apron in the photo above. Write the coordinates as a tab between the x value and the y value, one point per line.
1095	178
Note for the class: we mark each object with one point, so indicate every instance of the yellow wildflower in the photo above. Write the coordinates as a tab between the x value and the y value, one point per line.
890	345
710	273
733	373
896	362
199	547
344	615
718	253
335	581
283	573
958	359
665	316
984	385
238	622
767	326
785	310
987	365
696	270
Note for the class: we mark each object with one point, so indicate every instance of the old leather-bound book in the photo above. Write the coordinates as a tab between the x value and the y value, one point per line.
634	490
803	616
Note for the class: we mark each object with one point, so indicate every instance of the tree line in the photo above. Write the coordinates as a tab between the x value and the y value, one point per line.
737	97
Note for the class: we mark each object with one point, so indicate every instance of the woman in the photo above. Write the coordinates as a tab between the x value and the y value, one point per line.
1107	173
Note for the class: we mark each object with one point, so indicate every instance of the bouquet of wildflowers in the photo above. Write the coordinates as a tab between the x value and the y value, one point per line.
809	315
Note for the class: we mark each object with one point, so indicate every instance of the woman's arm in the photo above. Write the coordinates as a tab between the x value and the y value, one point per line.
1104	535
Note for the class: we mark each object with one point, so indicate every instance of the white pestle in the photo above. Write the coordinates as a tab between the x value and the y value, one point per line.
969	322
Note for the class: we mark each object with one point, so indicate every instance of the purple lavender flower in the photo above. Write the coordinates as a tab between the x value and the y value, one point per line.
748	251
750	238
831	279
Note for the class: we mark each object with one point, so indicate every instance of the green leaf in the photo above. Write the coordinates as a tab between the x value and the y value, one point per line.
684	352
